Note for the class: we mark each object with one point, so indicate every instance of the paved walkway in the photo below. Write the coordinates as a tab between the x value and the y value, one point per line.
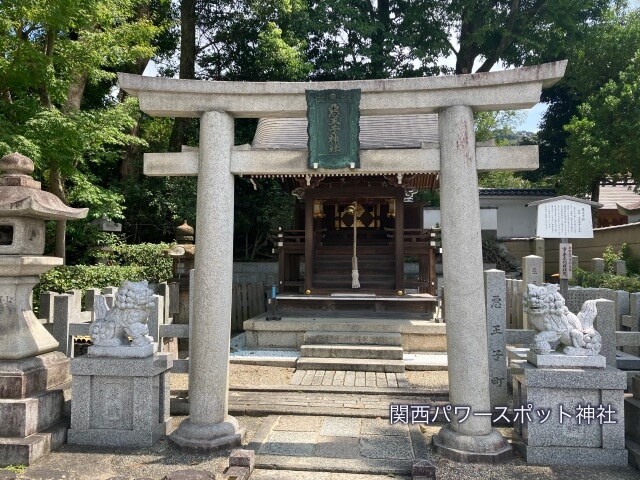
342	444
300	432
340	378
309	400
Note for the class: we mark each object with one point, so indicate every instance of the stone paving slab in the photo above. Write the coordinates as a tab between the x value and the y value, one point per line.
361	405
348	378
340	444
260	474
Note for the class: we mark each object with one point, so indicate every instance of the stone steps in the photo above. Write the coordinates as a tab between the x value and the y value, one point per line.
350	364
352	338
380	352
355	351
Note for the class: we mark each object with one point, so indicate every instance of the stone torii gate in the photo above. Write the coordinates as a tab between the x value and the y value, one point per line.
458	160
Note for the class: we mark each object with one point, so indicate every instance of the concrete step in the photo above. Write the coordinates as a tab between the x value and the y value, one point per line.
352	351
353	364
352	338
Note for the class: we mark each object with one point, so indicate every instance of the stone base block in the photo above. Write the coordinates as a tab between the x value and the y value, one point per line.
124	351
110	437
492	448
30	376
560	360
573	456
632	418
33	395
118	402
574	415
634	453
28	450
26	416
209	437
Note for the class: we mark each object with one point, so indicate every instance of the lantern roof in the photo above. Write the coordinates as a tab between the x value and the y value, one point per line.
21	195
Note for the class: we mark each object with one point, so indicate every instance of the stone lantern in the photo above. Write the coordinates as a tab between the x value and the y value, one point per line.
183	255
32	375
24	207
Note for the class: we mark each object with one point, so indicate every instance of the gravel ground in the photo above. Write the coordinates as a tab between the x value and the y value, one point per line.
91	463
427	379
261	375
243	375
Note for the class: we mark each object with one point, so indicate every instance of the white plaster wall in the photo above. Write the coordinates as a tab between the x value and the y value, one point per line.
488	218
514	220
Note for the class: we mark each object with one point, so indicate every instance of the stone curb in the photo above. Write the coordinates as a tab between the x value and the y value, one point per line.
345	390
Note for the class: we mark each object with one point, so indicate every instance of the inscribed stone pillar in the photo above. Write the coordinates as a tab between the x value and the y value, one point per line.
496	302
209	426
620	268
597	265
538	247
605	324
532	272
472	439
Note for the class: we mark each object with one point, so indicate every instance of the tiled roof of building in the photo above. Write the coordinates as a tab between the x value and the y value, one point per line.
376	131
517	192
611	195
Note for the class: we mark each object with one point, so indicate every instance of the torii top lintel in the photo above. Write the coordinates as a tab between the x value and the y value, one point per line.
504	90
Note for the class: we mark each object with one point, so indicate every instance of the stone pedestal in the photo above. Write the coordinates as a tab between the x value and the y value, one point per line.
22	333
632	422
120	402
569	436
33	395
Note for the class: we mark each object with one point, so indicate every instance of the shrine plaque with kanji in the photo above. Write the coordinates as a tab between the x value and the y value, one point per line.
334	128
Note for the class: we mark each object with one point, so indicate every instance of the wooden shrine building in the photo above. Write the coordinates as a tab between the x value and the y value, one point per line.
316	256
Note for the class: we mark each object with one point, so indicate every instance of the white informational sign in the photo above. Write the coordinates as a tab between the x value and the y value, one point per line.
564	219
566	261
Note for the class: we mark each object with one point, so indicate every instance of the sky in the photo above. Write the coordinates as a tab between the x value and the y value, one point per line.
534	116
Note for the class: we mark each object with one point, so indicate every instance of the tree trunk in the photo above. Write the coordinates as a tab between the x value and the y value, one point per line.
467	51
378	54
187	65
76	91
595	197
57	188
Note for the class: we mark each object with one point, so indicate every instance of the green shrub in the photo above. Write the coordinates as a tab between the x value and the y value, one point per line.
61	279
125	262
585	279
610	256
149	256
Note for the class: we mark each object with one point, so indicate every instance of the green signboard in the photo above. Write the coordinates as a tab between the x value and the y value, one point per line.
334	127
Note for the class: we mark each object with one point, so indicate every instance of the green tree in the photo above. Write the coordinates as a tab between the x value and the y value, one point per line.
391	38
603	138
53	51
606	50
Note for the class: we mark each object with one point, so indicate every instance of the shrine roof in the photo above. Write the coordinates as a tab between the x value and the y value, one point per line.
517	192
613	195
376	132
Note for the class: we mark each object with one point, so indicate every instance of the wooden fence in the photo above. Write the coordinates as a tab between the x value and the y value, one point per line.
248	301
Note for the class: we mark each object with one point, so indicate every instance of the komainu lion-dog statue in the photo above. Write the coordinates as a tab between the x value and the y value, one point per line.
553	321
127	319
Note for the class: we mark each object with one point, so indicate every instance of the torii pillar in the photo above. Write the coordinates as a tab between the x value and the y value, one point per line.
458	159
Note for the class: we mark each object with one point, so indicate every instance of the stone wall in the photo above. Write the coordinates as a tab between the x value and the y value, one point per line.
588	248
255	272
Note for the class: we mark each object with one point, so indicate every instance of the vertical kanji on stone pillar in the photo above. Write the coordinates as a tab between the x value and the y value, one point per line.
496	299
532	273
